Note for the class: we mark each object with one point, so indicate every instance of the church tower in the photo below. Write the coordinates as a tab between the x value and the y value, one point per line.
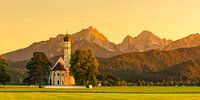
67	50
60	74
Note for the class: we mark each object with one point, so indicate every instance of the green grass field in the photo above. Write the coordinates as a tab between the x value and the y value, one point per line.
100	93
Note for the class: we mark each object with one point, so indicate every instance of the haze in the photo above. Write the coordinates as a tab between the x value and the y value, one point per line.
23	22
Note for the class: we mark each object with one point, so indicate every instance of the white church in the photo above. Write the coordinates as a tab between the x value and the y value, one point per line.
60	74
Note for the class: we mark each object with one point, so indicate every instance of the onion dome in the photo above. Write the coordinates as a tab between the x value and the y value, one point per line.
67	38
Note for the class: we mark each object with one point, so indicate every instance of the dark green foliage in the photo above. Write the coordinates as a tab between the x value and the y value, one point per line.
17	71
186	71
18	75
84	67
155	66
4	76
110	80
38	69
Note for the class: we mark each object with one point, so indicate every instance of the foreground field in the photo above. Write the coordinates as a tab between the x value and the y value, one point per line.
100	93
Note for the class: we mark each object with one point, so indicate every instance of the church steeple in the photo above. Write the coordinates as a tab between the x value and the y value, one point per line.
60	74
67	50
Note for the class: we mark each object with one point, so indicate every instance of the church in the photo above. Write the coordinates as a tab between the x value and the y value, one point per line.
60	73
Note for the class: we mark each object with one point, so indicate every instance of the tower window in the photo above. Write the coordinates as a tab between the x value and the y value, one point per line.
58	74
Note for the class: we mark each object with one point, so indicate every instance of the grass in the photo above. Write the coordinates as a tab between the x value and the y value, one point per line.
100	93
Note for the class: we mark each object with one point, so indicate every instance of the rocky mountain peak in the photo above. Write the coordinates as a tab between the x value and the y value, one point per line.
146	35
128	39
91	28
91	34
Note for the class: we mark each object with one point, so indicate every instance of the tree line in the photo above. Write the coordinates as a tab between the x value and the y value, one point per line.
85	69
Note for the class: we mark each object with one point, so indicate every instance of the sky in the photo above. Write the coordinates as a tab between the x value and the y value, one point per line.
23	22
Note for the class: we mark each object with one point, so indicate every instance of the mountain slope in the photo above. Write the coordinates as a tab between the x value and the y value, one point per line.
51	47
186	42
142	65
97	49
86	38
188	70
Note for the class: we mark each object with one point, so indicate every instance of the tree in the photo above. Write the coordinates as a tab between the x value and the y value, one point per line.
4	76
109	79
84	67
18	75
38	69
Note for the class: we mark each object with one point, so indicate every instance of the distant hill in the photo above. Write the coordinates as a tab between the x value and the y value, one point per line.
93	39
149	65
188	70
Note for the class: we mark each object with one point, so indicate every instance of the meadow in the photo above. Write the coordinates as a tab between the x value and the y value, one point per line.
100	93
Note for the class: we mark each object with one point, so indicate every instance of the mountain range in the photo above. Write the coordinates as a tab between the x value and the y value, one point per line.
101	46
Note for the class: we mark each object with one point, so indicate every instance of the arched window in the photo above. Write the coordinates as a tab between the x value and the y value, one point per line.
58	82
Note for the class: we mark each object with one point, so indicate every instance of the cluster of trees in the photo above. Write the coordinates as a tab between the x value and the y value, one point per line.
110	80
4	75
38	69
17	75
84	67
164	83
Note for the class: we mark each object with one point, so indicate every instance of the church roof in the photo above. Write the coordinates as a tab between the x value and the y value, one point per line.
59	65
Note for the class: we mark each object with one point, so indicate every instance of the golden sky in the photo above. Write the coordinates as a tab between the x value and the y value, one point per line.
25	21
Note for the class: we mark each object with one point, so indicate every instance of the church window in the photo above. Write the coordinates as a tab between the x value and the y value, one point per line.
58	82
58	74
